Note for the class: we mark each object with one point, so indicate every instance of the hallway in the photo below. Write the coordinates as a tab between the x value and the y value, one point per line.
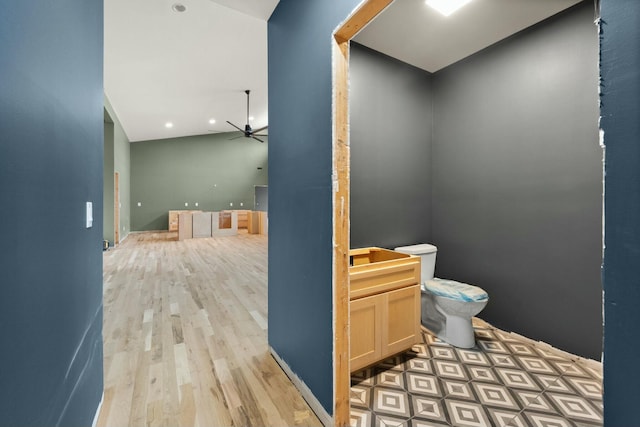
185	336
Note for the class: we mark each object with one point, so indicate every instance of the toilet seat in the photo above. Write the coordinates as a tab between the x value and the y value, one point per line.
455	290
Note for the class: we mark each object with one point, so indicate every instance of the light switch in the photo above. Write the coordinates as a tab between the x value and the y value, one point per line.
89	211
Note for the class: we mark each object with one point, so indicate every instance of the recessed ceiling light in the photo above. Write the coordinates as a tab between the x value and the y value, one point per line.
212	121
447	7
250	117
168	125
177	7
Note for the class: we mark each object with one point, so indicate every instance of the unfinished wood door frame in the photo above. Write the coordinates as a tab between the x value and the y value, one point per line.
116	208
360	17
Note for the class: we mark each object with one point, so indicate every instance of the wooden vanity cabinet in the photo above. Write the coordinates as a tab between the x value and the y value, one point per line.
384	306
383	325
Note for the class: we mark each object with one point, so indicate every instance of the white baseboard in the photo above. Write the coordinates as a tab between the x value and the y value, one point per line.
307	395
95	417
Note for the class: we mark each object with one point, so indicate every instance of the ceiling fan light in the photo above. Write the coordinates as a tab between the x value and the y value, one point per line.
446	7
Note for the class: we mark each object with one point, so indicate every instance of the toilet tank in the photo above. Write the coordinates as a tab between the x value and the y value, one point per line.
427	254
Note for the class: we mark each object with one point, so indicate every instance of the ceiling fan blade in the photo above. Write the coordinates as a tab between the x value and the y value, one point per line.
258	139
240	129
259	134
236	137
260	129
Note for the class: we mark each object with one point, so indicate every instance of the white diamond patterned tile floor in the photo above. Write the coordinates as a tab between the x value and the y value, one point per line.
391	402
458	390
483	374
428	409
504	418
390	378
447	353
467	414
472	357
495	395
546	420
360	397
419	365
421	384
453	370
505	381
575	407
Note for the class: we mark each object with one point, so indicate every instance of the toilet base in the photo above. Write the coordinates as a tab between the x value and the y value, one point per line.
454	330
459	332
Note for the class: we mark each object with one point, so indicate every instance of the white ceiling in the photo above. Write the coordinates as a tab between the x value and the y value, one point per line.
188	67
415	33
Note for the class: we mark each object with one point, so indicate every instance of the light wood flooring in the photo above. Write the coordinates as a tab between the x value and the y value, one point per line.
185	336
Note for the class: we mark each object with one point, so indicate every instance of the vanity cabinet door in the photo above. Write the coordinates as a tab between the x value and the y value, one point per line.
383	325
366	330
402	323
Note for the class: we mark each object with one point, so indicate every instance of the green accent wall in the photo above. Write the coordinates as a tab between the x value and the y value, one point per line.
211	170
118	159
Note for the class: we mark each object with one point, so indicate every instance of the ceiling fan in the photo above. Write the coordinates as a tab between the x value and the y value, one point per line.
247	131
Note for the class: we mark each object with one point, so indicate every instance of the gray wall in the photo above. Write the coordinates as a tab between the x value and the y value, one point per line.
517	181
620	70
208	169
391	131
51	131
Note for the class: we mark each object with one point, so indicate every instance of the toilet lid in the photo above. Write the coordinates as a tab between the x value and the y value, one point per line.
456	290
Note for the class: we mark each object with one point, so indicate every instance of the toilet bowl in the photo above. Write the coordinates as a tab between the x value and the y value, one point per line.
447	306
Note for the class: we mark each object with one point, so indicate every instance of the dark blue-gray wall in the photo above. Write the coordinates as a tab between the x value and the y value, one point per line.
300	200
517	181
51	135
391	134
620	97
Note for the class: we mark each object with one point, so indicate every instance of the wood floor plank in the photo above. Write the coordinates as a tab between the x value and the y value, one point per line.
185	336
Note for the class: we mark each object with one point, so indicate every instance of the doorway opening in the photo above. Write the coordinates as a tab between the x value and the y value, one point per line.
341	68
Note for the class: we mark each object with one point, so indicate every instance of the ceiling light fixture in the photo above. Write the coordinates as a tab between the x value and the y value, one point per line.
212	121
177	7
446	7
168	125
250	117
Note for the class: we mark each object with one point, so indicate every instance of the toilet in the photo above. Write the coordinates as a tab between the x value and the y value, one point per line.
447	305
